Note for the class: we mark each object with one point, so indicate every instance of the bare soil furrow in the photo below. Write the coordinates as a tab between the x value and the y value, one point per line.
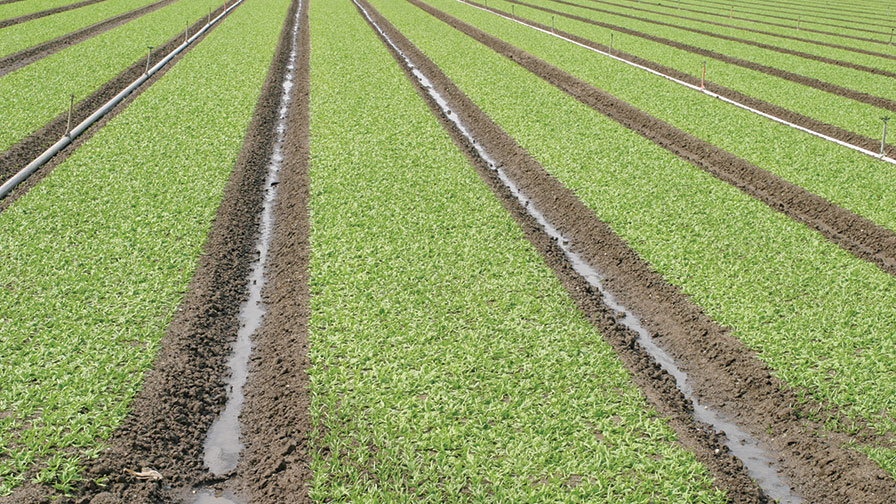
25	57
658	386
752	30
854	233
48	12
23	152
723	371
827	87
2	2
276	421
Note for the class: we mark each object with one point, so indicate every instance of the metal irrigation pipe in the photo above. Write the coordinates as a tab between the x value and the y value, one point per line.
25	172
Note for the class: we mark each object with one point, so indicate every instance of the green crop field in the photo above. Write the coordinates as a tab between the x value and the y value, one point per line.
489	264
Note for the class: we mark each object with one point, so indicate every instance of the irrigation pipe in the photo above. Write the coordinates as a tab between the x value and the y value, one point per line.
66	139
691	86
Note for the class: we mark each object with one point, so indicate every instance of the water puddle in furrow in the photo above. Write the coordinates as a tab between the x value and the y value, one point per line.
222	444
760	465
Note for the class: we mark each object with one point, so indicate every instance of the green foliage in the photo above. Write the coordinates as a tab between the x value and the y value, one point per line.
35	94
819	317
22	36
806	22
94	260
847	178
16	9
826	107
448	364
877	85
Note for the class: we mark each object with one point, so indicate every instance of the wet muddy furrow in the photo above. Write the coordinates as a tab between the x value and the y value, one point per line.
737	17
277	425
659	386
722	371
45	13
829	130
827	87
23	152
854	233
750	30
768	47
25	57
183	392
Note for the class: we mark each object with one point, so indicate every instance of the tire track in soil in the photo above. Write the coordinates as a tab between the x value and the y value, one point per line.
26	150
722	371
25	57
658	386
751	30
761	45
184	390
45	13
276	421
853	233
830	130
852	94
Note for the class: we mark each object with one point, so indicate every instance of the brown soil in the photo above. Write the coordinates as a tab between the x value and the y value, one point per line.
812	82
29	148
723	372
750	30
2	2
856	234
25	57
276	423
48	12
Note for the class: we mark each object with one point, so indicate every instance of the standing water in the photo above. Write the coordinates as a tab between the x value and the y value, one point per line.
222	444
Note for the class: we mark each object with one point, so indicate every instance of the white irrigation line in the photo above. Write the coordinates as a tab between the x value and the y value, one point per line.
848	145
66	139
